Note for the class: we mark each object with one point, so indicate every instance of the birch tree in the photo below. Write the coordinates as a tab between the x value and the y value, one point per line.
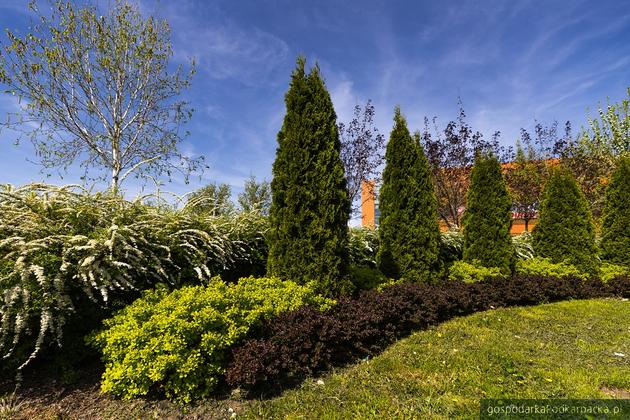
97	90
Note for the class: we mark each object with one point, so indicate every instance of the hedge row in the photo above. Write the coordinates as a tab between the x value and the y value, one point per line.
66	253
176	342
306	340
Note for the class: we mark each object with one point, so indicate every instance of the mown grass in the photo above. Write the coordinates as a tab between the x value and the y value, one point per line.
576	349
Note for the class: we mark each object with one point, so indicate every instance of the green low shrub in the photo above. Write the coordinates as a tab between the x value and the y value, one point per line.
366	278
451	246
544	267
523	246
363	246
471	273
609	271
64	250
176	343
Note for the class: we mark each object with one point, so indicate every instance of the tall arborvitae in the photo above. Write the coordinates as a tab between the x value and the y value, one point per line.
310	208
408	226
616	224
487	218
565	230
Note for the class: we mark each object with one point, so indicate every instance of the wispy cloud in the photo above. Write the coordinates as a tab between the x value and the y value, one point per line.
250	55
511	62
222	48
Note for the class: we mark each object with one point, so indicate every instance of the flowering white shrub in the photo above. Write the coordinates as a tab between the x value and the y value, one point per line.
56	242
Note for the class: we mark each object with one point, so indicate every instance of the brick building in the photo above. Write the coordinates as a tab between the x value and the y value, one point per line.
370	212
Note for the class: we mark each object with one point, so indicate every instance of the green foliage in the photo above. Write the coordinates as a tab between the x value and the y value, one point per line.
611	129
366	278
451	246
442	372
213	199
310	208
408	226
609	271
545	267
615	243
65	252
96	88
363	247
565	230
488	216
526	175
593	155
471	273
177	342
256	196
523	246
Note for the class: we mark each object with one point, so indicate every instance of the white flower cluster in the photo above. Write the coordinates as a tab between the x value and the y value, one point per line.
57	239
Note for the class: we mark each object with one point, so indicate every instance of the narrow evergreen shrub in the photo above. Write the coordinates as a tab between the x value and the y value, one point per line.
310	208
175	343
488	216
565	230
306	341
408	226
615	243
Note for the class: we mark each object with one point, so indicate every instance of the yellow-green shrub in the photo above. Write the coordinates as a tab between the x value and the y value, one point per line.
471	273
609	271
176	343
67	253
539	266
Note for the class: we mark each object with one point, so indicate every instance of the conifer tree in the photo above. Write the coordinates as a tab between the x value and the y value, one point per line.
310	208
488	216
616	223
408	226
565	230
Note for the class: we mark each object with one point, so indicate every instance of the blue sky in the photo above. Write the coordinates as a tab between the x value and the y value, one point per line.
510	61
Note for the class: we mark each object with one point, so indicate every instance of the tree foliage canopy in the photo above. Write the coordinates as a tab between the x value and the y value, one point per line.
362	151
488	217
592	156
408	227
256	196
536	153
96	90
213	199
451	154
565	230
310	208
616	223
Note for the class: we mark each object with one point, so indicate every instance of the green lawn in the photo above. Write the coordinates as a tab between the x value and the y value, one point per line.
578	349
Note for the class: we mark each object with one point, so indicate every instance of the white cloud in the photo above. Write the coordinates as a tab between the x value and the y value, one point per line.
226	51
344	100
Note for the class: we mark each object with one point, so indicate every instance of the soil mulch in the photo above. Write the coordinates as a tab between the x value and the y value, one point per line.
43	396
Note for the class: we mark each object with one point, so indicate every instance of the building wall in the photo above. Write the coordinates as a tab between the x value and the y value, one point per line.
368	204
369	212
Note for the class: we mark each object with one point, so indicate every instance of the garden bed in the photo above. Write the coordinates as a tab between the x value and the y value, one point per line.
443	371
